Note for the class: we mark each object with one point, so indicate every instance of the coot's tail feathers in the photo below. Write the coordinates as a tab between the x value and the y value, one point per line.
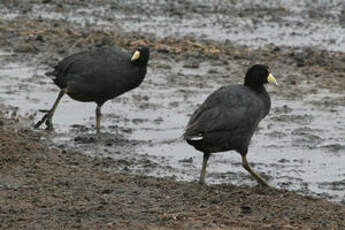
51	74
57	78
193	137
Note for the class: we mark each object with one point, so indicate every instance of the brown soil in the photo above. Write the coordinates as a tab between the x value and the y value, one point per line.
48	188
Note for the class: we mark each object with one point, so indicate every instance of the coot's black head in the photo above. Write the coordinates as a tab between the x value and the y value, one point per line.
257	76
140	56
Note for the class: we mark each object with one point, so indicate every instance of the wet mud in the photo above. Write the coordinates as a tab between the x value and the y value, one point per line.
196	47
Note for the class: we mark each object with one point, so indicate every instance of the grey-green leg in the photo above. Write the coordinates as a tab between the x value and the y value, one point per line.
203	169
252	172
47	118
98	118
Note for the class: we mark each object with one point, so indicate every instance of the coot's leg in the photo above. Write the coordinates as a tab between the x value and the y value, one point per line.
203	169
98	118
252	172
47	118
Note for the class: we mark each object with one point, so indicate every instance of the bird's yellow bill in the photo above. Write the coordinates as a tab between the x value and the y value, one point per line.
272	79
136	55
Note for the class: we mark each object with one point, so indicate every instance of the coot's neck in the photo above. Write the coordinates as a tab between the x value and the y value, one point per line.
141	73
257	88
265	97
141	67
141	63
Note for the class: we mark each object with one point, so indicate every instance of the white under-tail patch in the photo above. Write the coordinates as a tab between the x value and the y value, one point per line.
196	138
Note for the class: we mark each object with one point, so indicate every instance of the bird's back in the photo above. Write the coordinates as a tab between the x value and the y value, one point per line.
227	119
98	74
86	62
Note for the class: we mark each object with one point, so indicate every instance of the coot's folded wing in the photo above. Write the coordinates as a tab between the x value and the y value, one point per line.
227	109
98	61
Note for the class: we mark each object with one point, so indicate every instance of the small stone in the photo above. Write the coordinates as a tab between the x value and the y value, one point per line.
39	38
192	65
189	160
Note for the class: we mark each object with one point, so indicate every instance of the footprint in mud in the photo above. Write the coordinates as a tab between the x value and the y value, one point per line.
276	134
104	139
76	128
186	160
282	110
85	139
334	185
299	119
334	148
306	135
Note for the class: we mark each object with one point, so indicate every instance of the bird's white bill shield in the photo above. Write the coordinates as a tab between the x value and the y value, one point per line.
136	55
272	79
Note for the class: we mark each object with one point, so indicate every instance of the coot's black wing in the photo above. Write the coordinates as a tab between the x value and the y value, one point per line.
232	109
88	63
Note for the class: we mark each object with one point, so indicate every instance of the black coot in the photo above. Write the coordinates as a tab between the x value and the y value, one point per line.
229	116
97	75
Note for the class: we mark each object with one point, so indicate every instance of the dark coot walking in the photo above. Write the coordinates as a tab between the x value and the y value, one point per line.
97	75
229	116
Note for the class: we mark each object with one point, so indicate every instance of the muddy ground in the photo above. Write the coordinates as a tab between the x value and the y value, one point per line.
139	174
